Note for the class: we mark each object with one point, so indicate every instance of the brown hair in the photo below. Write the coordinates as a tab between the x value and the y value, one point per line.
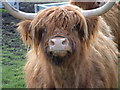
93	65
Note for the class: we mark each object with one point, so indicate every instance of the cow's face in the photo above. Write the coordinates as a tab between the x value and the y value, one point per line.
61	33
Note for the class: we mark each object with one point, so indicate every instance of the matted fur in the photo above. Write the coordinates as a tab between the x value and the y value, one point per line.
94	63
111	17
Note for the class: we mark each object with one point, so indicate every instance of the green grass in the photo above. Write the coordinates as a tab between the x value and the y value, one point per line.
13	61
2	10
12	70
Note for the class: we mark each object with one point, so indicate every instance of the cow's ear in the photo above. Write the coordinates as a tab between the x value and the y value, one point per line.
25	30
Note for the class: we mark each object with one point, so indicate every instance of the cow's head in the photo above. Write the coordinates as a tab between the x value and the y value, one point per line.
60	32
88	4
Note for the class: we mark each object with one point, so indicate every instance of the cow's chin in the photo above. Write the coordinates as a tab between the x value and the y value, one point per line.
59	57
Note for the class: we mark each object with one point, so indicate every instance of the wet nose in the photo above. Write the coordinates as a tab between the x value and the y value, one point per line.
58	44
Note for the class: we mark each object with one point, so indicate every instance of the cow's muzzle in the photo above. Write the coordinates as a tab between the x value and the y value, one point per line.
59	46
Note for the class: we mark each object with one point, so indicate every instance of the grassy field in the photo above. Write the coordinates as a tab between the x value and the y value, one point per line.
12	65
13	55
12	68
2	10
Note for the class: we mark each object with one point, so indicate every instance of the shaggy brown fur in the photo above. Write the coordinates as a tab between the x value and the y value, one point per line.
93	63
111	17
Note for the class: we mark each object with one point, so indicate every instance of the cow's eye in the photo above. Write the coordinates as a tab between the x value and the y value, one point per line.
40	34
76	28
79	31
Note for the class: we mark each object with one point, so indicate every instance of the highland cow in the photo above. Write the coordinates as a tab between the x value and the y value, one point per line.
111	17
68	49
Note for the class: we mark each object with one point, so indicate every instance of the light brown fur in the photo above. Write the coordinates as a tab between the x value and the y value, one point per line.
111	17
94	63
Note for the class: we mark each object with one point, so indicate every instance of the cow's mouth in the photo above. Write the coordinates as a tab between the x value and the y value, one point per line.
59	53
58	57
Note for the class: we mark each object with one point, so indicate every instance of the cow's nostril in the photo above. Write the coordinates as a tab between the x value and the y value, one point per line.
51	42
98	3
65	42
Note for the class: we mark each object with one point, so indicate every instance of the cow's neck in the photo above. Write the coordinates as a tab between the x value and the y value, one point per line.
76	75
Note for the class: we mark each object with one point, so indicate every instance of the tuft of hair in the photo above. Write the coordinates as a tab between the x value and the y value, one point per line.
24	30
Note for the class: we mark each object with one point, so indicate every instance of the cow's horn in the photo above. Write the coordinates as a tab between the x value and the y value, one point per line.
99	11
17	13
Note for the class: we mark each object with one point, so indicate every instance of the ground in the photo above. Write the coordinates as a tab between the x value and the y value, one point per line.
13	54
13	50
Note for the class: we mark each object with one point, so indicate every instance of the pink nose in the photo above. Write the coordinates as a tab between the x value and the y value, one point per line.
59	45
